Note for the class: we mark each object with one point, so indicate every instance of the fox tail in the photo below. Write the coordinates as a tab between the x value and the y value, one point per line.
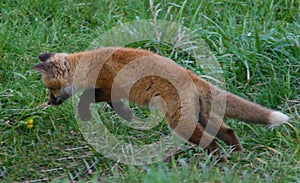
237	107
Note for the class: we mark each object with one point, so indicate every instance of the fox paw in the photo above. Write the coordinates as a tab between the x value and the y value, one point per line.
84	115
84	112
126	114
122	110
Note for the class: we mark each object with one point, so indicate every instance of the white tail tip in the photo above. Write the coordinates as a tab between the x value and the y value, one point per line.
277	118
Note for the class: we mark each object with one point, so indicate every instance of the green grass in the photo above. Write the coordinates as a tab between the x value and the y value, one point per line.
261	38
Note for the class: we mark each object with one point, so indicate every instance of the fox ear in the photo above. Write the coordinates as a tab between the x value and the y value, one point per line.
43	67
45	56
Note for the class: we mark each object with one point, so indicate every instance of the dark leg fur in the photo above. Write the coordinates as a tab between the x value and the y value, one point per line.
87	97
122	110
218	127
94	95
213	147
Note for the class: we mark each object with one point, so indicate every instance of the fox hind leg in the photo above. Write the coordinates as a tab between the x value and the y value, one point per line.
194	133
213	147
227	134
214	125
222	131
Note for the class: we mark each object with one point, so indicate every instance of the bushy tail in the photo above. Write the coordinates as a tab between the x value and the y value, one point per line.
237	107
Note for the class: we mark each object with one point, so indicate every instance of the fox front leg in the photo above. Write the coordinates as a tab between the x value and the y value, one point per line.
94	95
122	110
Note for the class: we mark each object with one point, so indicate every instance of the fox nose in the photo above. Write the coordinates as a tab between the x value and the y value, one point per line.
55	101
52	102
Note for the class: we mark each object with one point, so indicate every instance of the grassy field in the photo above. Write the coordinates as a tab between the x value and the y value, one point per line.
257	43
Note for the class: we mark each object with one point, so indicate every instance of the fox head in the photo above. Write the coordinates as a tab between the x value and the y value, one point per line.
57	76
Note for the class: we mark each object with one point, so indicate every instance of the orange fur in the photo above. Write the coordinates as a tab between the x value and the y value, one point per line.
187	112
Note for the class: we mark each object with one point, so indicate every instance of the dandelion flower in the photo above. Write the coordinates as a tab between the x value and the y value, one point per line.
29	126
29	123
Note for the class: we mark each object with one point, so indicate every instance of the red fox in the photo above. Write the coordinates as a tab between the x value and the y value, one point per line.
187	113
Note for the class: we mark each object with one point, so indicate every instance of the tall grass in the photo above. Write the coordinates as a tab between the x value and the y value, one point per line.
257	44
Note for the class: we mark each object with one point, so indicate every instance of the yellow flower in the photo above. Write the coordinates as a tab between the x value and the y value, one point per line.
29	126
29	123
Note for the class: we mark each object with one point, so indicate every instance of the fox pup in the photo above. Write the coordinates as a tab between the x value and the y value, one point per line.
190	103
